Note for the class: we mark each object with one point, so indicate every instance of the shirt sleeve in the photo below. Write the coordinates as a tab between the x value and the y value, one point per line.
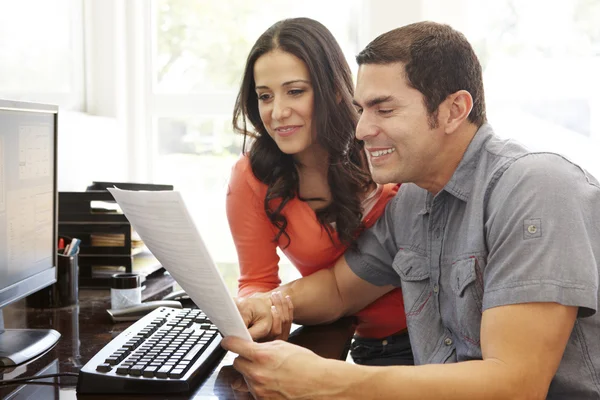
376	248
543	231
252	232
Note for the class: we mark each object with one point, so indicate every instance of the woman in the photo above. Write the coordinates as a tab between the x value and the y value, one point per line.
304	186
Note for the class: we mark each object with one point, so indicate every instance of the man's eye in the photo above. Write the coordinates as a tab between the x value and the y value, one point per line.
359	111
385	111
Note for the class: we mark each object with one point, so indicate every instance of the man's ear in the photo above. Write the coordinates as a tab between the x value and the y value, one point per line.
459	105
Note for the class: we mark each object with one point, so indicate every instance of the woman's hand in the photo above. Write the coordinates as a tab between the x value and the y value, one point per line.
268	316
282	311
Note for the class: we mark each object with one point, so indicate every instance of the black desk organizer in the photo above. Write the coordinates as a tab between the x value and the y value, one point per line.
77	218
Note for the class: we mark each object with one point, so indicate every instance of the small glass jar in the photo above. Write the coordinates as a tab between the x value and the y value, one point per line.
125	291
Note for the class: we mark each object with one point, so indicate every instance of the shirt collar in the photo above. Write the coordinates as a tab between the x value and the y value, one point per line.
461	182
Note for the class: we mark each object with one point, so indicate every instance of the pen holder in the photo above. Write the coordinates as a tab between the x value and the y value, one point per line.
65	292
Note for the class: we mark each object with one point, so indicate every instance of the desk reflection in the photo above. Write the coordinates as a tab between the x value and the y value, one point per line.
227	375
22	392
86	328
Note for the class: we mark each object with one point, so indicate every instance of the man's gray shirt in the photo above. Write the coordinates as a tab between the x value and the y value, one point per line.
511	226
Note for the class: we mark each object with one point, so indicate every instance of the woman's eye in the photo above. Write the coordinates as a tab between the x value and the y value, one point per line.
263	97
295	92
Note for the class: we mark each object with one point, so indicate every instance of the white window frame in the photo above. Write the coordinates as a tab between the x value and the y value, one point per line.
118	70
75	98
157	105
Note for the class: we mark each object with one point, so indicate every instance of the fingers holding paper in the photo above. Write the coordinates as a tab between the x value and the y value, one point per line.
277	370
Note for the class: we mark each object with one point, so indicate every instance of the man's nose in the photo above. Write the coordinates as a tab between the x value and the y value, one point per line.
365	128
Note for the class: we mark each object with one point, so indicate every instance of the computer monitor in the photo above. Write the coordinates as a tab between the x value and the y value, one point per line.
28	219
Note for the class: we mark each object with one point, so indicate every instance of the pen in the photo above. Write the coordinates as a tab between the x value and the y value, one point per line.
73	246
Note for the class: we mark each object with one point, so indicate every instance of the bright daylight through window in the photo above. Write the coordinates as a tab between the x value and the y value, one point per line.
541	76
199	50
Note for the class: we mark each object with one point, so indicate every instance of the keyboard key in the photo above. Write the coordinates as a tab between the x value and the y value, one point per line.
136	370
112	360
149	371
123	370
163	372
193	352
176	373
182	365
103	368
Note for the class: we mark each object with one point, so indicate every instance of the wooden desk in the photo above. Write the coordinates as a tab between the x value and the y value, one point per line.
86	328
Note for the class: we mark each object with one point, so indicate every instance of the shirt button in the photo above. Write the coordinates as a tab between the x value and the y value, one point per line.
437	233
384	342
436	288
448	341
532	229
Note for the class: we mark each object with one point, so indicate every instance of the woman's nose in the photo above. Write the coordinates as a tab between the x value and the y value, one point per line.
280	110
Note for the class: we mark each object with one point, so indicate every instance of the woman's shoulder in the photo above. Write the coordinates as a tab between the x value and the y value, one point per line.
389	190
242	176
375	205
242	165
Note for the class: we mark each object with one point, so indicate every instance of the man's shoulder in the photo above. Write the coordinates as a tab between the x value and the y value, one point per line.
509	160
498	152
546	169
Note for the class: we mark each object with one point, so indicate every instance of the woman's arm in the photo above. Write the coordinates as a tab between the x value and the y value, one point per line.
252	232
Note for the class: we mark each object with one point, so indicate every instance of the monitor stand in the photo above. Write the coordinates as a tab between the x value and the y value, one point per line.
20	345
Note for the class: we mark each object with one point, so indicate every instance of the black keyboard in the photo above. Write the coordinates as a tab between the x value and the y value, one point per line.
167	351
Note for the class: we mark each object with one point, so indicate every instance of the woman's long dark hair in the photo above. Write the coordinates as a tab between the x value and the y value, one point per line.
335	121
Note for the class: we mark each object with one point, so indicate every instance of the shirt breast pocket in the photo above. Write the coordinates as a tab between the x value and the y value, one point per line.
467	285
415	275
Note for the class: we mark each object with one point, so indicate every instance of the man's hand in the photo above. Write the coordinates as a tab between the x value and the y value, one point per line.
278	370
268	316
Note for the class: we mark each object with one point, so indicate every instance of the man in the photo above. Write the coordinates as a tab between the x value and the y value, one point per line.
496	249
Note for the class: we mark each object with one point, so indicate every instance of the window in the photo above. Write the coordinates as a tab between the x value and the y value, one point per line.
539	76
42	54
198	53
540	68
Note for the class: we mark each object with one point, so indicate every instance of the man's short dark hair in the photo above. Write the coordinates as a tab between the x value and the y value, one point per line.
438	61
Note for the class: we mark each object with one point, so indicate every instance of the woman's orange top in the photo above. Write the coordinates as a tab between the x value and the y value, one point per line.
310	249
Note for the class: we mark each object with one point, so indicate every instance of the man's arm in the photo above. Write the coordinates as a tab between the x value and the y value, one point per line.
522	348
331	293
319	298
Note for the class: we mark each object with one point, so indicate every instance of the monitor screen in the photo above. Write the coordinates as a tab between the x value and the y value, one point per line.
28	208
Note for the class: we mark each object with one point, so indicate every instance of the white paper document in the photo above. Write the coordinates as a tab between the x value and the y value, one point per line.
163	222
